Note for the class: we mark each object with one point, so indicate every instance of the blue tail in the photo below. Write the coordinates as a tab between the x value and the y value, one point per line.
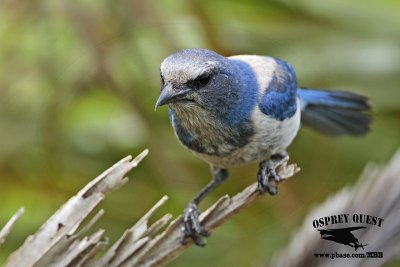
334	112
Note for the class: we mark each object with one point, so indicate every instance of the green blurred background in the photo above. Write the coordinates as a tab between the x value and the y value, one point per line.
79	80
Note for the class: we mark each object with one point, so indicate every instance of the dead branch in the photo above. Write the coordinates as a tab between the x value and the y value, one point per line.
56	243
62	240
59	243
166	246
7	228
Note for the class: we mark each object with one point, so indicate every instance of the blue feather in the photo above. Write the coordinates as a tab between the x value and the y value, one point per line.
340	99
279	100
245	96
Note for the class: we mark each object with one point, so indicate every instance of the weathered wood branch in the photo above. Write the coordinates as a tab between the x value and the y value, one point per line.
167	245
7	228
63	239
59	243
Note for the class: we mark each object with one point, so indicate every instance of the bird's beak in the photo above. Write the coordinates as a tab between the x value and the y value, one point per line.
169	95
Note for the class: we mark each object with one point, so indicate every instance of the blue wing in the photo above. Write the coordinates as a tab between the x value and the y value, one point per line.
280	98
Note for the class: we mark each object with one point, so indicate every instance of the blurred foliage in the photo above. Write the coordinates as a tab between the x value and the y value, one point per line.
79	80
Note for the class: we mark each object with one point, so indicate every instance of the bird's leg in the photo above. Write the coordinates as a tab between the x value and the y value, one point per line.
267	176
191	225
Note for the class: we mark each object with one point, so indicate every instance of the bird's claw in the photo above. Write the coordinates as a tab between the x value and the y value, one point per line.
268	177
191	226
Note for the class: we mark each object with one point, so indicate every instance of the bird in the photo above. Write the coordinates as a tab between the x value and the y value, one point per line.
236	110
343	236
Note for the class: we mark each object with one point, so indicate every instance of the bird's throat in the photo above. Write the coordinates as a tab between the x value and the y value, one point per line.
203	133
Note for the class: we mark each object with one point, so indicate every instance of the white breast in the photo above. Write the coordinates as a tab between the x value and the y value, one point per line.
273	135
270	137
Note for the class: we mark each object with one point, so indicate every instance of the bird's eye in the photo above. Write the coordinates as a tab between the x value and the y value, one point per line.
200	81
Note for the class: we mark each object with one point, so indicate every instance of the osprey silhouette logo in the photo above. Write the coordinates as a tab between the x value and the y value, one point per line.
343	236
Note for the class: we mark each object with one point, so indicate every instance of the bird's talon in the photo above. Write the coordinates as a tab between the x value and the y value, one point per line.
268	178
191	226
204	232
272	190
183	240
198	241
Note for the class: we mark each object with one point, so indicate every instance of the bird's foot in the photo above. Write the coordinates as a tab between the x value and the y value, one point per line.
268	176
191	226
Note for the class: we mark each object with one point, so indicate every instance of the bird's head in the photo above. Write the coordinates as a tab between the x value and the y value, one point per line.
195	78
